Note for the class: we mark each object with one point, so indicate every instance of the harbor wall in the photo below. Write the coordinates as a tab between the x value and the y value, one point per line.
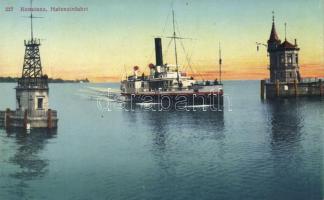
2	118
303	89
36	119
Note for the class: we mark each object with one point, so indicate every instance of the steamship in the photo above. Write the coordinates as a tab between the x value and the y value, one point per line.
166	84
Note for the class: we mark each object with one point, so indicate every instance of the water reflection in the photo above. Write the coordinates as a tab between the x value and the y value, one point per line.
295	163
172	126
27	159
286	121
179	140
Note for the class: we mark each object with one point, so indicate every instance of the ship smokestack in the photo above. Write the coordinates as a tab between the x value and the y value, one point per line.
158	52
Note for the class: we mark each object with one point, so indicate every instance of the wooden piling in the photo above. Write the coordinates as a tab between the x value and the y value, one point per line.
320	87
7	118
49	119
262	88
25	119
277	88
296	88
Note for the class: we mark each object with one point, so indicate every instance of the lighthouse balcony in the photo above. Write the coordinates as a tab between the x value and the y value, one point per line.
302	80
33	41
33	83
282	67
311	80
290	66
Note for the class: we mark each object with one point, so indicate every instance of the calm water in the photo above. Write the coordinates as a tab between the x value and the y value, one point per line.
259	150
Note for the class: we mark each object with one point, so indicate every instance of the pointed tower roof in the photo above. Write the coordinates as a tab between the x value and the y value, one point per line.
273	35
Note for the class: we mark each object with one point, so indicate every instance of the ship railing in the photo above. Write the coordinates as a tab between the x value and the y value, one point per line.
173	89
176	89
208	82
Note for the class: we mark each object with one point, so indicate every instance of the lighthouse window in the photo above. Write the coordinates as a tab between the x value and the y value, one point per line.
40	103
282	58
289	59
18	102
296	58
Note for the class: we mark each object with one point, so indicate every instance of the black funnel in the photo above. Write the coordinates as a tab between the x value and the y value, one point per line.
158	52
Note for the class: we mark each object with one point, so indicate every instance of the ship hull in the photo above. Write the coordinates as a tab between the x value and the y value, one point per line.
176	99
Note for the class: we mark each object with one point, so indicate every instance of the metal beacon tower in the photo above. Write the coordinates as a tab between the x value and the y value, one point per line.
32	92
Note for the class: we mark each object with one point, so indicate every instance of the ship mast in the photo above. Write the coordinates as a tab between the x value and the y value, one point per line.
175	46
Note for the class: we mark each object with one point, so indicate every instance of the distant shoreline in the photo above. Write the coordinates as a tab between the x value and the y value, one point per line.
50	80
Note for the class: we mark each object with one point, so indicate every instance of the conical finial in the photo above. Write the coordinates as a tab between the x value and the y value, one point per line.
273	35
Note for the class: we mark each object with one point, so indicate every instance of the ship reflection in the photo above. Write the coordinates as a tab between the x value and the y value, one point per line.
27	159
186	127
173	132
169	127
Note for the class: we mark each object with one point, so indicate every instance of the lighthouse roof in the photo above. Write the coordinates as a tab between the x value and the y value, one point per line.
287	45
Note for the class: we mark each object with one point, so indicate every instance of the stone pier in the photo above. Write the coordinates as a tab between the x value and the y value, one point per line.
305	88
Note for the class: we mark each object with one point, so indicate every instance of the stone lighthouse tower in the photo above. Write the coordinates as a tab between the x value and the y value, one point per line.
283	58
285	79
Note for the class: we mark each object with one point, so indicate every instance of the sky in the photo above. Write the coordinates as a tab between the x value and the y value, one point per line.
105	42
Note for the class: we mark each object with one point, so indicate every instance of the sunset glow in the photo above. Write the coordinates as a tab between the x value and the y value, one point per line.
106	41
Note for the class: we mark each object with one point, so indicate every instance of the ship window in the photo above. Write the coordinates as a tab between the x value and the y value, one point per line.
39	103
